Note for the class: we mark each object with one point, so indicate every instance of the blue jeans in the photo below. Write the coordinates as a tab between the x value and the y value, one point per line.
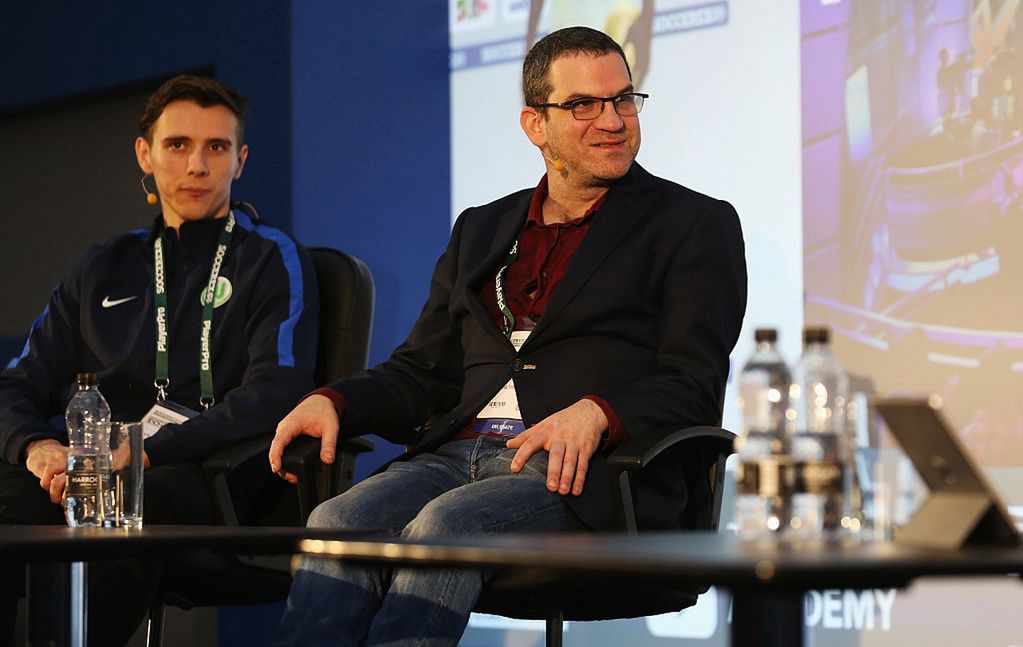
466	487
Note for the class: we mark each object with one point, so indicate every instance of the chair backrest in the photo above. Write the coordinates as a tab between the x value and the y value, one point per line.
347	298
203	579
346	313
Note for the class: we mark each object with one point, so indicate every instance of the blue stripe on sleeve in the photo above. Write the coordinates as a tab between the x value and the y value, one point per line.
293	265
35	326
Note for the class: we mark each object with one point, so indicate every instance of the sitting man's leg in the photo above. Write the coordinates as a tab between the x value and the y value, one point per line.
122	590
332	602
466	488
431	607
22	501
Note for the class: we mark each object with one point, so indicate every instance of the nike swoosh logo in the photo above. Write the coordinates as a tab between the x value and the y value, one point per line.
108	303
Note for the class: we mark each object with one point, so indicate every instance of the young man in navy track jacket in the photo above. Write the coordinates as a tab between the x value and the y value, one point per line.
107	317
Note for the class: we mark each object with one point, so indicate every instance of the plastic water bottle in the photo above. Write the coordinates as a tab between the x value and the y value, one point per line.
88	459
761	504
819	440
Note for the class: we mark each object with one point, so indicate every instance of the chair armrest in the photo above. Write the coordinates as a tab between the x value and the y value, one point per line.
228	458
305	450
301	457
636	453
221	463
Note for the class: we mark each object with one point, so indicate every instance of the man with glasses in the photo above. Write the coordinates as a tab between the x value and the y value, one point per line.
561	320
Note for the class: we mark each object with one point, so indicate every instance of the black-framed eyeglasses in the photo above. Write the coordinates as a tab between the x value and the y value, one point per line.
586	108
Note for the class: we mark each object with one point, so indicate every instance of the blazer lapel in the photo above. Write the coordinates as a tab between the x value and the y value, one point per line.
625	204
508	227
509	224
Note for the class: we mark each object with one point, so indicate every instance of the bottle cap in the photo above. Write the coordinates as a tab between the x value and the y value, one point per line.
88	379
765	335
816	334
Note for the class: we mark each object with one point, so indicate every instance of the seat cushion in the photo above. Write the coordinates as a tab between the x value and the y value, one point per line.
534	594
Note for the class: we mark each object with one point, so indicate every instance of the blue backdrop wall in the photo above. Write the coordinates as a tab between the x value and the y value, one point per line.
371	141
371	136
49	55
349	126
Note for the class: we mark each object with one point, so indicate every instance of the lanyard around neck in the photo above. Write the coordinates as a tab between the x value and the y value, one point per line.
162	381
502	302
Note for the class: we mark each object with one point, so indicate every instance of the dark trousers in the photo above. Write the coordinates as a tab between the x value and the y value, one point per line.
120	591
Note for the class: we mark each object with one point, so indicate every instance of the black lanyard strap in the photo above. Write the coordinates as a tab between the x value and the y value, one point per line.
502	302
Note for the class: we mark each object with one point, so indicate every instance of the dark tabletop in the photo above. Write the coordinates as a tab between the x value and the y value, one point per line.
703	557
60	543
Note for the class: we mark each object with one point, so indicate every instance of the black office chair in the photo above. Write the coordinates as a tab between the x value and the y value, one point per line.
542	594
203	578
535	594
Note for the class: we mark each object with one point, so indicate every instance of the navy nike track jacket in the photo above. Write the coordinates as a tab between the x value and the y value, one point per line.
100	319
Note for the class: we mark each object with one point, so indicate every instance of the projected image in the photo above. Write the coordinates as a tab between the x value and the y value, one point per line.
693	58
629	22
913	202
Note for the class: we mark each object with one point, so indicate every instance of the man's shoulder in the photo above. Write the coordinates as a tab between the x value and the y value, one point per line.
117	246
678	208
255	227
257	234
502	204
673	190
133	238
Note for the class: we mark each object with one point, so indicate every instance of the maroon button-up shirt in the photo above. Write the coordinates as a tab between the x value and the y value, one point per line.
545	252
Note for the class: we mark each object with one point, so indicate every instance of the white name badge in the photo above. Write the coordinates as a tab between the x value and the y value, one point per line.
164	413
505	404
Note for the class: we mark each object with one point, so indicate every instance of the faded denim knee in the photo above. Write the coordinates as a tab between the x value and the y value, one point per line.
443	517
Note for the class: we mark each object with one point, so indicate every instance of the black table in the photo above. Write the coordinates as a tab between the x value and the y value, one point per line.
60	543
59	610
768	581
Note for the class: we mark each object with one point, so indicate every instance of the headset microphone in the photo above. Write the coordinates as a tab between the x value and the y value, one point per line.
150	196
558	165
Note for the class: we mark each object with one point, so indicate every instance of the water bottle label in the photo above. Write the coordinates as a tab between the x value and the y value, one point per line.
820	477
82	481
767	477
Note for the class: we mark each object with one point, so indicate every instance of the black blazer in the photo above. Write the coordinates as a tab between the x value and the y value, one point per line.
645	316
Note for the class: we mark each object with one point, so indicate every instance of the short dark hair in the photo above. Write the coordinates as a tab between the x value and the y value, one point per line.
536	83
200	90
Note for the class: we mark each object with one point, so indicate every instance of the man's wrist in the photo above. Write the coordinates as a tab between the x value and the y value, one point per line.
614	432
599	419
337	399
39	442
36	447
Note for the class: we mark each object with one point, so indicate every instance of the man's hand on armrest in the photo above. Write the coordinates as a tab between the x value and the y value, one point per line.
46	458
315	416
